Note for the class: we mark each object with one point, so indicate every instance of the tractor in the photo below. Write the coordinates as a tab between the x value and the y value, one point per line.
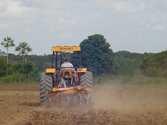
64	83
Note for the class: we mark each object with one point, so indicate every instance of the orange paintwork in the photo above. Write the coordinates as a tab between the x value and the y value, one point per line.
71	90
50	71
66	49
82	70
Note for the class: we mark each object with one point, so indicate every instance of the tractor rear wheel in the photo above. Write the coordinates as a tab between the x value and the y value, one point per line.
45	88
87	78
86	81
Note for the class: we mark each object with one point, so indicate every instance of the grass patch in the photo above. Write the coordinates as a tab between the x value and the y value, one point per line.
130	79
17	79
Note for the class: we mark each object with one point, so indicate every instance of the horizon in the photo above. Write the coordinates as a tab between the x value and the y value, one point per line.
45	54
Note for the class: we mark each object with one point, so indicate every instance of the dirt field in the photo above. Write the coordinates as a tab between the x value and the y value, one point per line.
114	105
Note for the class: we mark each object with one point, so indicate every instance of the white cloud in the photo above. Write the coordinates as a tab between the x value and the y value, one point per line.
122	6
10	8
158	27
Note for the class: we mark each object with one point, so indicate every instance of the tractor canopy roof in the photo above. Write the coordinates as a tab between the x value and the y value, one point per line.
66	49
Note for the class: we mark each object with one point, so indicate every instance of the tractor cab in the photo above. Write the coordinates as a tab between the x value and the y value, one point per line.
63	71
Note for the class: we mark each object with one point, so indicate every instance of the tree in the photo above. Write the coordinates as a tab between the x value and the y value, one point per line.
28	69
23	49
127	63
7	43
96	54
155	64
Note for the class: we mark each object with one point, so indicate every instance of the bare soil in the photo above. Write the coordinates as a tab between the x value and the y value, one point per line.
113	105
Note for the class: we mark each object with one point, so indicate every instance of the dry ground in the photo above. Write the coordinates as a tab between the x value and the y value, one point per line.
115	104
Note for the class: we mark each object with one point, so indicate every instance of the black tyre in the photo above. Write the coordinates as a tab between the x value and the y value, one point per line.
45	88
86	80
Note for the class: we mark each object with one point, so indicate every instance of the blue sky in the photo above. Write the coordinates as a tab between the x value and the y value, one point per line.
134	25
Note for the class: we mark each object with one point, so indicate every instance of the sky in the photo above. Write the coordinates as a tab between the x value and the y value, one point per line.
133	25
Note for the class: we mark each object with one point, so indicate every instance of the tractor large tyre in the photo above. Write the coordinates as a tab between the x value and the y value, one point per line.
86	81
45	88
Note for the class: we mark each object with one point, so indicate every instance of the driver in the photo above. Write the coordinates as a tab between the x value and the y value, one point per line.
67	72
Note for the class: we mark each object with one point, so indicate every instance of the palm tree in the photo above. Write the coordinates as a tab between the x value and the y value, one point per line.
7	43
23	49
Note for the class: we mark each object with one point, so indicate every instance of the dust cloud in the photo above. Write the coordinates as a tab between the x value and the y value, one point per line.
126	98
114	104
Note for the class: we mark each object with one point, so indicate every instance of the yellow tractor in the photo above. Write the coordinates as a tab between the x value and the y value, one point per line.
63	83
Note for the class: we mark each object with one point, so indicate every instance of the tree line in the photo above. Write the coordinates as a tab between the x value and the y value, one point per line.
96	54
155	64
20	70
23	48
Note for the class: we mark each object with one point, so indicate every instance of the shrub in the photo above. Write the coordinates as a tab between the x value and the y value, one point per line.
155	64
3	67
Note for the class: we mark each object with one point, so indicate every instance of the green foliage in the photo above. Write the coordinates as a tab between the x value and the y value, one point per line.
3	67
96	54
18	72
126	63
29	70
18	78
41	62
7	42
23	68
13	78
23	49
155	64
